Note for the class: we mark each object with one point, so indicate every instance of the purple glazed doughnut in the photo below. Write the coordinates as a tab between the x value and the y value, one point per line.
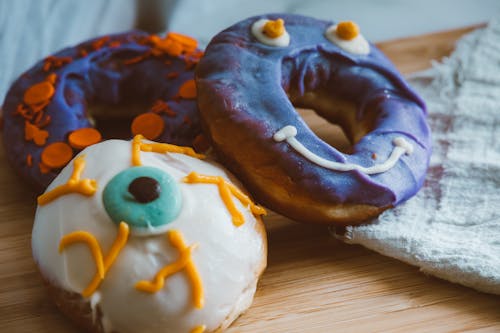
46	111
255	72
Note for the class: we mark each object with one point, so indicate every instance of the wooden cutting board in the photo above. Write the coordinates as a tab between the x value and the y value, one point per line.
313	282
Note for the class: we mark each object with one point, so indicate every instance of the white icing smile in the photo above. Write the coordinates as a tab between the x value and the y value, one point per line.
289	132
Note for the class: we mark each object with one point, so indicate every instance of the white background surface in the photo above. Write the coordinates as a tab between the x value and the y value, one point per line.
31	30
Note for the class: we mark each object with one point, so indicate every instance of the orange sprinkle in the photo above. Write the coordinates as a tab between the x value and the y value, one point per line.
24	112
97	44
150	125
84	137
172	75
38	117
164	45
38	93
43	168
162	107
29	160
189	43
135	60
173	44
188	90
52	62
32	132
51	78
42	122
274	29
200	143
114	44
56	155
347	30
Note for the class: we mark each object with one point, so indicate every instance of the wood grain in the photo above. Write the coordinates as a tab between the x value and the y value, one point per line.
313	282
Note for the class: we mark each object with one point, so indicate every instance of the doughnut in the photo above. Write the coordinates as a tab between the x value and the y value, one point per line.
255	73
139	236
46	111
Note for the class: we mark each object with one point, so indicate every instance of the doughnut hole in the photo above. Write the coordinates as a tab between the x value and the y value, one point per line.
111	119
114	120
332	119
331	133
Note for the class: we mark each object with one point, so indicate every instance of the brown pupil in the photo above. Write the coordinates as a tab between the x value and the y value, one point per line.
144	189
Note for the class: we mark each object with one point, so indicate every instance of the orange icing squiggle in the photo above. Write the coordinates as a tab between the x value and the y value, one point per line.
92	243
102	263
162	148
225	191
109	259
184	262
136	150
74	185
198	329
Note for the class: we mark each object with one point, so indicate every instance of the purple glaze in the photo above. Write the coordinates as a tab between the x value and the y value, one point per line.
249	81
99	77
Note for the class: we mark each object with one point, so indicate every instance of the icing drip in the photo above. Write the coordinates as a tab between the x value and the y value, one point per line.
95	299
85	186
227	189
162	148
259	32
103	263
184	262
402	147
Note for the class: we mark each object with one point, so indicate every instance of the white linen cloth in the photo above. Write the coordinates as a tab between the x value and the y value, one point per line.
451	228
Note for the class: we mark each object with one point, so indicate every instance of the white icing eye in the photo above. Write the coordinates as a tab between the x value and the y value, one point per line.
346	36
272	33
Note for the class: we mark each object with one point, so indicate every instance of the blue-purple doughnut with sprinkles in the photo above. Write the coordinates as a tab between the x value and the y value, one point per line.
48	104
255	72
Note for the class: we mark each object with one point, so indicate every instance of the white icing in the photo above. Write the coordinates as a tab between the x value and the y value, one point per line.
227	257
402	147
149	231
95	299
257	31
357	45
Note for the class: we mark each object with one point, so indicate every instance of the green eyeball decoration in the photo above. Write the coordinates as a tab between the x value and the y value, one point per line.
146	198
